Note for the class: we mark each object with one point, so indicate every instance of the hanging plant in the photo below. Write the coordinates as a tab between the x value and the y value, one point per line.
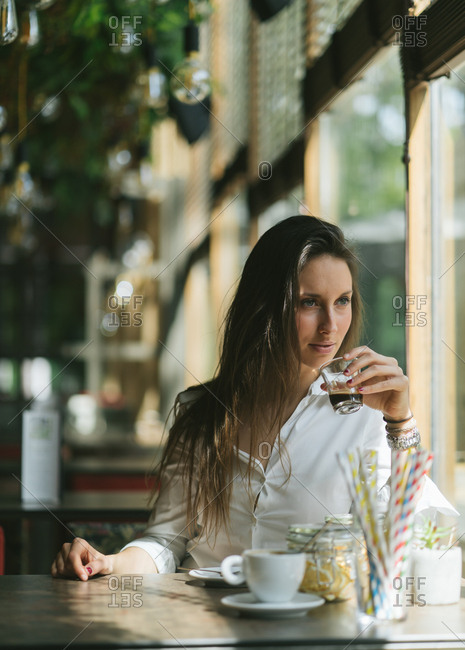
75	94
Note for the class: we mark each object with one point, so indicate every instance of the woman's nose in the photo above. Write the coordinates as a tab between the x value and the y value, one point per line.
327	322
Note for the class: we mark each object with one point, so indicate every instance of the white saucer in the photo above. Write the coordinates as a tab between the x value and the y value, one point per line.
210	575
249	605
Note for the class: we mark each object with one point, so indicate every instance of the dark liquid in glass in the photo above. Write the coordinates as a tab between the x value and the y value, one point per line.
346	402
345	397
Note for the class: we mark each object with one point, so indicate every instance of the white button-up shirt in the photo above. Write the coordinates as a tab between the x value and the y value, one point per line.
260	516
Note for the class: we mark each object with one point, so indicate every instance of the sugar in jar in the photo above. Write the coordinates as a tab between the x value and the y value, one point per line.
332	557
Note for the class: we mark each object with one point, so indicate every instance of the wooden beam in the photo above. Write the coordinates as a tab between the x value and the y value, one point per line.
418	264
312	169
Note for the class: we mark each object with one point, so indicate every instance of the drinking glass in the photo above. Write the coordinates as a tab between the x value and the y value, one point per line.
344	398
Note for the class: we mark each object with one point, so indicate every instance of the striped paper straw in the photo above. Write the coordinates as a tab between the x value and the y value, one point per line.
371	488
368	504
368	466
400	466
373	605
421	463
367	518
387	550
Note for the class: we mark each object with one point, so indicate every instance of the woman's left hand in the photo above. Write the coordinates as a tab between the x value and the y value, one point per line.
381	382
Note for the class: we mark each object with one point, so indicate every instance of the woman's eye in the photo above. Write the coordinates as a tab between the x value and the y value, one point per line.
308	302
345	300
311	302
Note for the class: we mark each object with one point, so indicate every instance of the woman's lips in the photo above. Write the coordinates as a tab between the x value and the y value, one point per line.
323	348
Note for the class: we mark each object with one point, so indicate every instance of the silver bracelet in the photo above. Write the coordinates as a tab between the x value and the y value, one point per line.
405	441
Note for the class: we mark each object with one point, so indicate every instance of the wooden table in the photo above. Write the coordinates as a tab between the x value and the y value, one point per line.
176	611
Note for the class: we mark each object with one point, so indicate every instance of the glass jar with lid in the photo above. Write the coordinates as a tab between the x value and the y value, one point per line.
334	559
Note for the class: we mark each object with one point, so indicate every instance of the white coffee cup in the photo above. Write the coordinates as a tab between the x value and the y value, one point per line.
272	575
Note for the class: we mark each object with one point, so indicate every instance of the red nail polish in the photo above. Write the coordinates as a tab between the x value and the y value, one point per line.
89	570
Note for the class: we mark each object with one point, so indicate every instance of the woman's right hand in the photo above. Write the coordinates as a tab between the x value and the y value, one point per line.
81	560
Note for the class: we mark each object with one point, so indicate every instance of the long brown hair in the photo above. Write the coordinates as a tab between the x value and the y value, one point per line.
258	367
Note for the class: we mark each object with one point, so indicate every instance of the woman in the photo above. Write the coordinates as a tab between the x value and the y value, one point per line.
254	450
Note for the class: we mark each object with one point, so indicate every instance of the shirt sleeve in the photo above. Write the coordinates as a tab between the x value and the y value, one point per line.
168	531
375	438
431	500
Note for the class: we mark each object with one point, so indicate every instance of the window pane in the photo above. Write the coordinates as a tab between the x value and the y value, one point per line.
448	156
363	189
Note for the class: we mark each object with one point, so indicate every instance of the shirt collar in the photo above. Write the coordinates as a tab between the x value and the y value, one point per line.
314	388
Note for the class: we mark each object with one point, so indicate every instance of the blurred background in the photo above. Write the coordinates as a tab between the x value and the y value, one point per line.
144	147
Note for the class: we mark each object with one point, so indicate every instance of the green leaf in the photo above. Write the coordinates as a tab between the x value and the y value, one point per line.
79	105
